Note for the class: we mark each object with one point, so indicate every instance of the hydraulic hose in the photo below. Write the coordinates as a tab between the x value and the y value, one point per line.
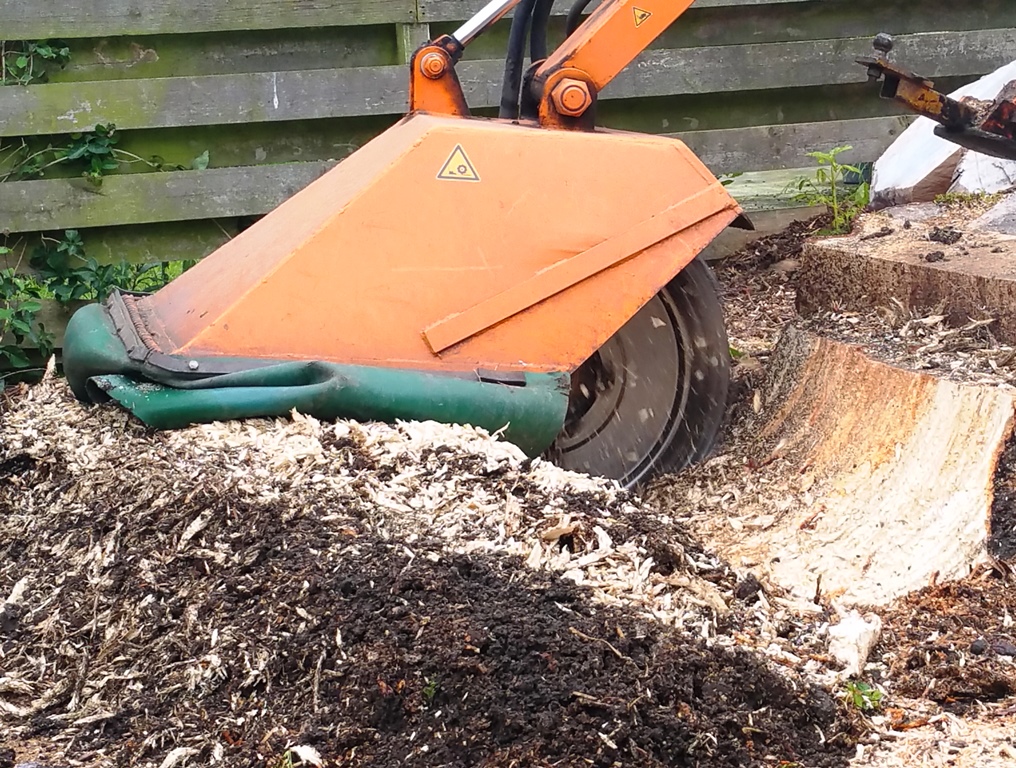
575	15
512	85
538	35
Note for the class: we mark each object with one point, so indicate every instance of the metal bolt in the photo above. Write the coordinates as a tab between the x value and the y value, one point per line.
433	65
883	43
193	365
571	97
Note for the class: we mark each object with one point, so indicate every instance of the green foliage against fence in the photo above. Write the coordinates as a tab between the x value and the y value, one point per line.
221	109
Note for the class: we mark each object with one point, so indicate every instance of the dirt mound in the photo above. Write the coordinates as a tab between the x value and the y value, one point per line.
248	594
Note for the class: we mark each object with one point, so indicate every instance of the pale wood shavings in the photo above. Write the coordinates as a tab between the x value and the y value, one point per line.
940	740
924	341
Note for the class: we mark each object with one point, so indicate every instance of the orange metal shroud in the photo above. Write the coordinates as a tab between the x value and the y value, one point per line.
451	243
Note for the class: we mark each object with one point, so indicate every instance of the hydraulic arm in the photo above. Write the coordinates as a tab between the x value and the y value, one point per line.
561	89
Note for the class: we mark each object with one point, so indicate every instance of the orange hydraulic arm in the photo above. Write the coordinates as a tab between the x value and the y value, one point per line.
566	84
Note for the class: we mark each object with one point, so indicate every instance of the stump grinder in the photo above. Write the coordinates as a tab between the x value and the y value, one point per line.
532	274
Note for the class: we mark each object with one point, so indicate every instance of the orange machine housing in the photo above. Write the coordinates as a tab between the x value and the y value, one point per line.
451	243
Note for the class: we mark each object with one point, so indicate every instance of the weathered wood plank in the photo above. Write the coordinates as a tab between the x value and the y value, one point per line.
153	197
411	37
805	63
315	94
776	147
767	190
100	18
141	244
460	10
211	100
55	318
754	24
135	57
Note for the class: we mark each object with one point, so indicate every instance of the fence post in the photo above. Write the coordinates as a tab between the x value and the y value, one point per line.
411	37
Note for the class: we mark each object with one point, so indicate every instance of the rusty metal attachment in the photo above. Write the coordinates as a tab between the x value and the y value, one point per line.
988	127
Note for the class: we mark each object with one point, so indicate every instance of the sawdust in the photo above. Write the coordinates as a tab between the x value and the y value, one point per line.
923	737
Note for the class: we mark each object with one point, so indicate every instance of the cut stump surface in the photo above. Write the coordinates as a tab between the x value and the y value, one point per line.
913	256
871	481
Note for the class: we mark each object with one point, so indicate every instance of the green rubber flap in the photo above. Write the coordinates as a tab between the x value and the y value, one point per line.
98	369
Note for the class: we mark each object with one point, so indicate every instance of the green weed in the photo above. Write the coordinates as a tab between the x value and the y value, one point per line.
827	187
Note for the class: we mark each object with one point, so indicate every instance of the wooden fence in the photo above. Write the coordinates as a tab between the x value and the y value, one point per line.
277	91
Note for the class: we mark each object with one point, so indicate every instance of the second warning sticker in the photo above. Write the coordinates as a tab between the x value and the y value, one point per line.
458	167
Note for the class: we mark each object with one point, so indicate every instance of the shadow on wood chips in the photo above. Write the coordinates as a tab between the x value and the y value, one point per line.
295	627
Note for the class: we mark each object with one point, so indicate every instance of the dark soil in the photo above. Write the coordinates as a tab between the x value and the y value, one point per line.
1002	543
945	235
950	643
768	250
325	636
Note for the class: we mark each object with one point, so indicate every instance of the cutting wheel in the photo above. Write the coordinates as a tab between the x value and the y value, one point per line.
652	399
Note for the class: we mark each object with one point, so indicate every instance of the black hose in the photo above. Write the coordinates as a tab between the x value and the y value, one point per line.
538	36
575	16
512	85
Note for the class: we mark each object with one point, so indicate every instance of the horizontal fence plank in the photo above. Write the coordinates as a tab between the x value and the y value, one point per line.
253	190
145	198
210	100
768	190
114	58
225	192
806	63
460	10
21	20
775	147
316	94
54	317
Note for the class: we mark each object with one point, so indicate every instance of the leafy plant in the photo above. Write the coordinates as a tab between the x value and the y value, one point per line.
863	696
19	326
63	271
955	199
827	188
24	62
71	275
726	179
430	690
93	153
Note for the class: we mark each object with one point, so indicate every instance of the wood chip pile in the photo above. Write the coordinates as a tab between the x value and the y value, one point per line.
246	593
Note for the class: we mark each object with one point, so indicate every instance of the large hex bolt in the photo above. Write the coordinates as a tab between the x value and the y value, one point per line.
433	65
571	97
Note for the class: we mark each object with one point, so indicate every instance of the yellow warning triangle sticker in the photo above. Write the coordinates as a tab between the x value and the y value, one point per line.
641	16
458	167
